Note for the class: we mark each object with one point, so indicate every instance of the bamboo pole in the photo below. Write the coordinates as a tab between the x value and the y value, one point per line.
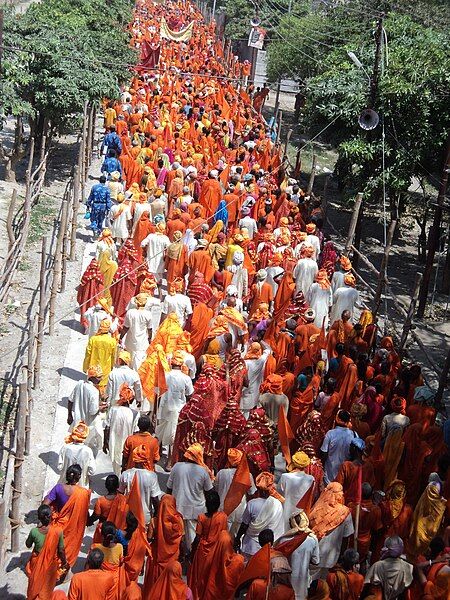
383	269
443	380
409	317
41	314
10	218
312	176
75	209
29	381
280	121
353	221
286	143
66	224
18	467
57	267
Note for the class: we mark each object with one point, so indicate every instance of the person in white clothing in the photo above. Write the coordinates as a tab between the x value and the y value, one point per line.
345	298
120	374
152	304
178	303
115	186
294	485
255	361
305	556
147	480
263	512
320	298
84	405
343	268
305	271
188	482
139	209
248	223
95	315
222	484
239	280
156	245
121	422
312	239
75	452
179	390
136	330
120	217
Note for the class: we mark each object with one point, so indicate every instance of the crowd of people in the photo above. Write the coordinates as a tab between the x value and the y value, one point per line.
266	440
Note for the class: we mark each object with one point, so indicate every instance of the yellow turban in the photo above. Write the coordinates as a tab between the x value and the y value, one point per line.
105	325
125	357
300	460
78	434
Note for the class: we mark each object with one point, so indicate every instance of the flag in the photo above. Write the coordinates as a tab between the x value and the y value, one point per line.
289	546
258	567
240	485
358	494
135	501
285	434
305	501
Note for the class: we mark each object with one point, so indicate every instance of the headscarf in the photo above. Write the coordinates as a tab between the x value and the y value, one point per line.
141	299
329	511
393	547
95	371
254	351
199	291
160	228
234	456
235	362
395	496
212	354
141	456
104	327
365	319
254	448
273	384
195	454
345	263
219	326
148	285
261	313
300	460
398	404
265	481
106	236
169	585
350	280
221	213
176	286
126	395
175	249
78	434
427	519
322	279
125	357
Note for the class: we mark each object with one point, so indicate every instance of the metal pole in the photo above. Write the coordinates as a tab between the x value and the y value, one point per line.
352	226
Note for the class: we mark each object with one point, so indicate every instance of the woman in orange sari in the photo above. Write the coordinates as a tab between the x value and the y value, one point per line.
43	568
112	551
111	507
168	531
170	585
209	526
226	568
143	228
71	503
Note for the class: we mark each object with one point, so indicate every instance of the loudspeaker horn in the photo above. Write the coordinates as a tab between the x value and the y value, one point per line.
256	21
368	119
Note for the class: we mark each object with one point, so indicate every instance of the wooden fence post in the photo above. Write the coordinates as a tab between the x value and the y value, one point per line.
280	121
41	314
411	310
286	143
18	467
64	249
57	266
383	268
10	218
75	209
312	176
353	221
29	381
82	154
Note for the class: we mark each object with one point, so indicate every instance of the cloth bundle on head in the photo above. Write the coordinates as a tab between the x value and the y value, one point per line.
126	395
160	227
176	286
254	351
307	252
398	404
300	460
393	547
106	236
141	456
95	371
234	456
322	279
265	482
78	434
125	357
195	454
219	326
141	299
350	280
148	285
329	511
178	358
345	263
261	313
105	326
273	384
310	228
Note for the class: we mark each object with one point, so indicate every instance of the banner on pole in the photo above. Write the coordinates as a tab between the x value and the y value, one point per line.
256	38
184	35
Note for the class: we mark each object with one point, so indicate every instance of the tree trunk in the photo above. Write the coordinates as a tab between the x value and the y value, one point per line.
446	274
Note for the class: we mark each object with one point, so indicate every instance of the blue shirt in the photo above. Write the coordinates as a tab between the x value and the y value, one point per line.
112	141
99	196
111	164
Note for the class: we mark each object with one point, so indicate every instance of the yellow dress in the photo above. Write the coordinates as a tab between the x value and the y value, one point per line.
108	268
101	350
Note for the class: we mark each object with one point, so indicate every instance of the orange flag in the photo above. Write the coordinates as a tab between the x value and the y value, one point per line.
258	567
240	485
305	501
224	176
285	434
135	502
319	343
289	546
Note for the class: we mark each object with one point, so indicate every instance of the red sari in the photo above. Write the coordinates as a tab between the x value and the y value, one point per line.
123	288
90	289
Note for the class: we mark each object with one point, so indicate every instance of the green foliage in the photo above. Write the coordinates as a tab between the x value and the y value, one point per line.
70	51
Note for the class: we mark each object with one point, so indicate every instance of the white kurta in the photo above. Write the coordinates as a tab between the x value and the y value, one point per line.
344	298
293	486
260	514
178	304
118	376
156	244
122	422
320	300
255	373
300	560
119	224
85	399
154	306
304	274
222	484
76	454
171	402
139	322
313	240
148	486
94	316
337	281
330	545
273	272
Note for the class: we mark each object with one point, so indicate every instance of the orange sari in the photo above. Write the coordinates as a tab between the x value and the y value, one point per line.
226	569
72	519
169	585
113	510
42	569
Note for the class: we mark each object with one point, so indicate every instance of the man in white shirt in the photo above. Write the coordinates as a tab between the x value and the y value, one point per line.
95	315
84	405
312	239
255	361
120	374
156	244
137	330
246	221
75	452
179	390
188	481
178	303
336	446
148	482
294	485
305	271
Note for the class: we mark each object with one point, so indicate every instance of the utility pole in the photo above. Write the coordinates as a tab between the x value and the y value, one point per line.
372	99
433	236
2	13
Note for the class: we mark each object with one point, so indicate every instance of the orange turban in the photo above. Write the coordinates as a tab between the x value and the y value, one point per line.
254	351
284	221
262	312
265	482
195	454
350	280
142	197
104	327
345	263
148	285
306	252
126	395
273	384
177	358
234	456
322	279
310	228
95	371
219	326
398	404
277	259
176	286
141	456
301	236
106	236
79	434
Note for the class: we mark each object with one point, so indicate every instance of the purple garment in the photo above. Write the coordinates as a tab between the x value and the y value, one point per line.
58	496
262	326
162	176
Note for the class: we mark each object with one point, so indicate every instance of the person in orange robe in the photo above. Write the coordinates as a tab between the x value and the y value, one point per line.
71	503
261	292
416	451
370	523
142	438
142	229
175	224
89	290
167	534
346	379
396	514
176	258
283	296
303	402
200	260
94	583
43	567
210	194
111	507
198	325
170	585
304	332
209	525
344	582
226	568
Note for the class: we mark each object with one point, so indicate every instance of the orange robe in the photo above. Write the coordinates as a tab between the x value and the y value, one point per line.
199	327
176	267
303	402
42	568
258	591
110	510
260	294
72	519
200	260
369	524
226	568
145	439
208	529
344	585
94	584
210	196
283	296
304	333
